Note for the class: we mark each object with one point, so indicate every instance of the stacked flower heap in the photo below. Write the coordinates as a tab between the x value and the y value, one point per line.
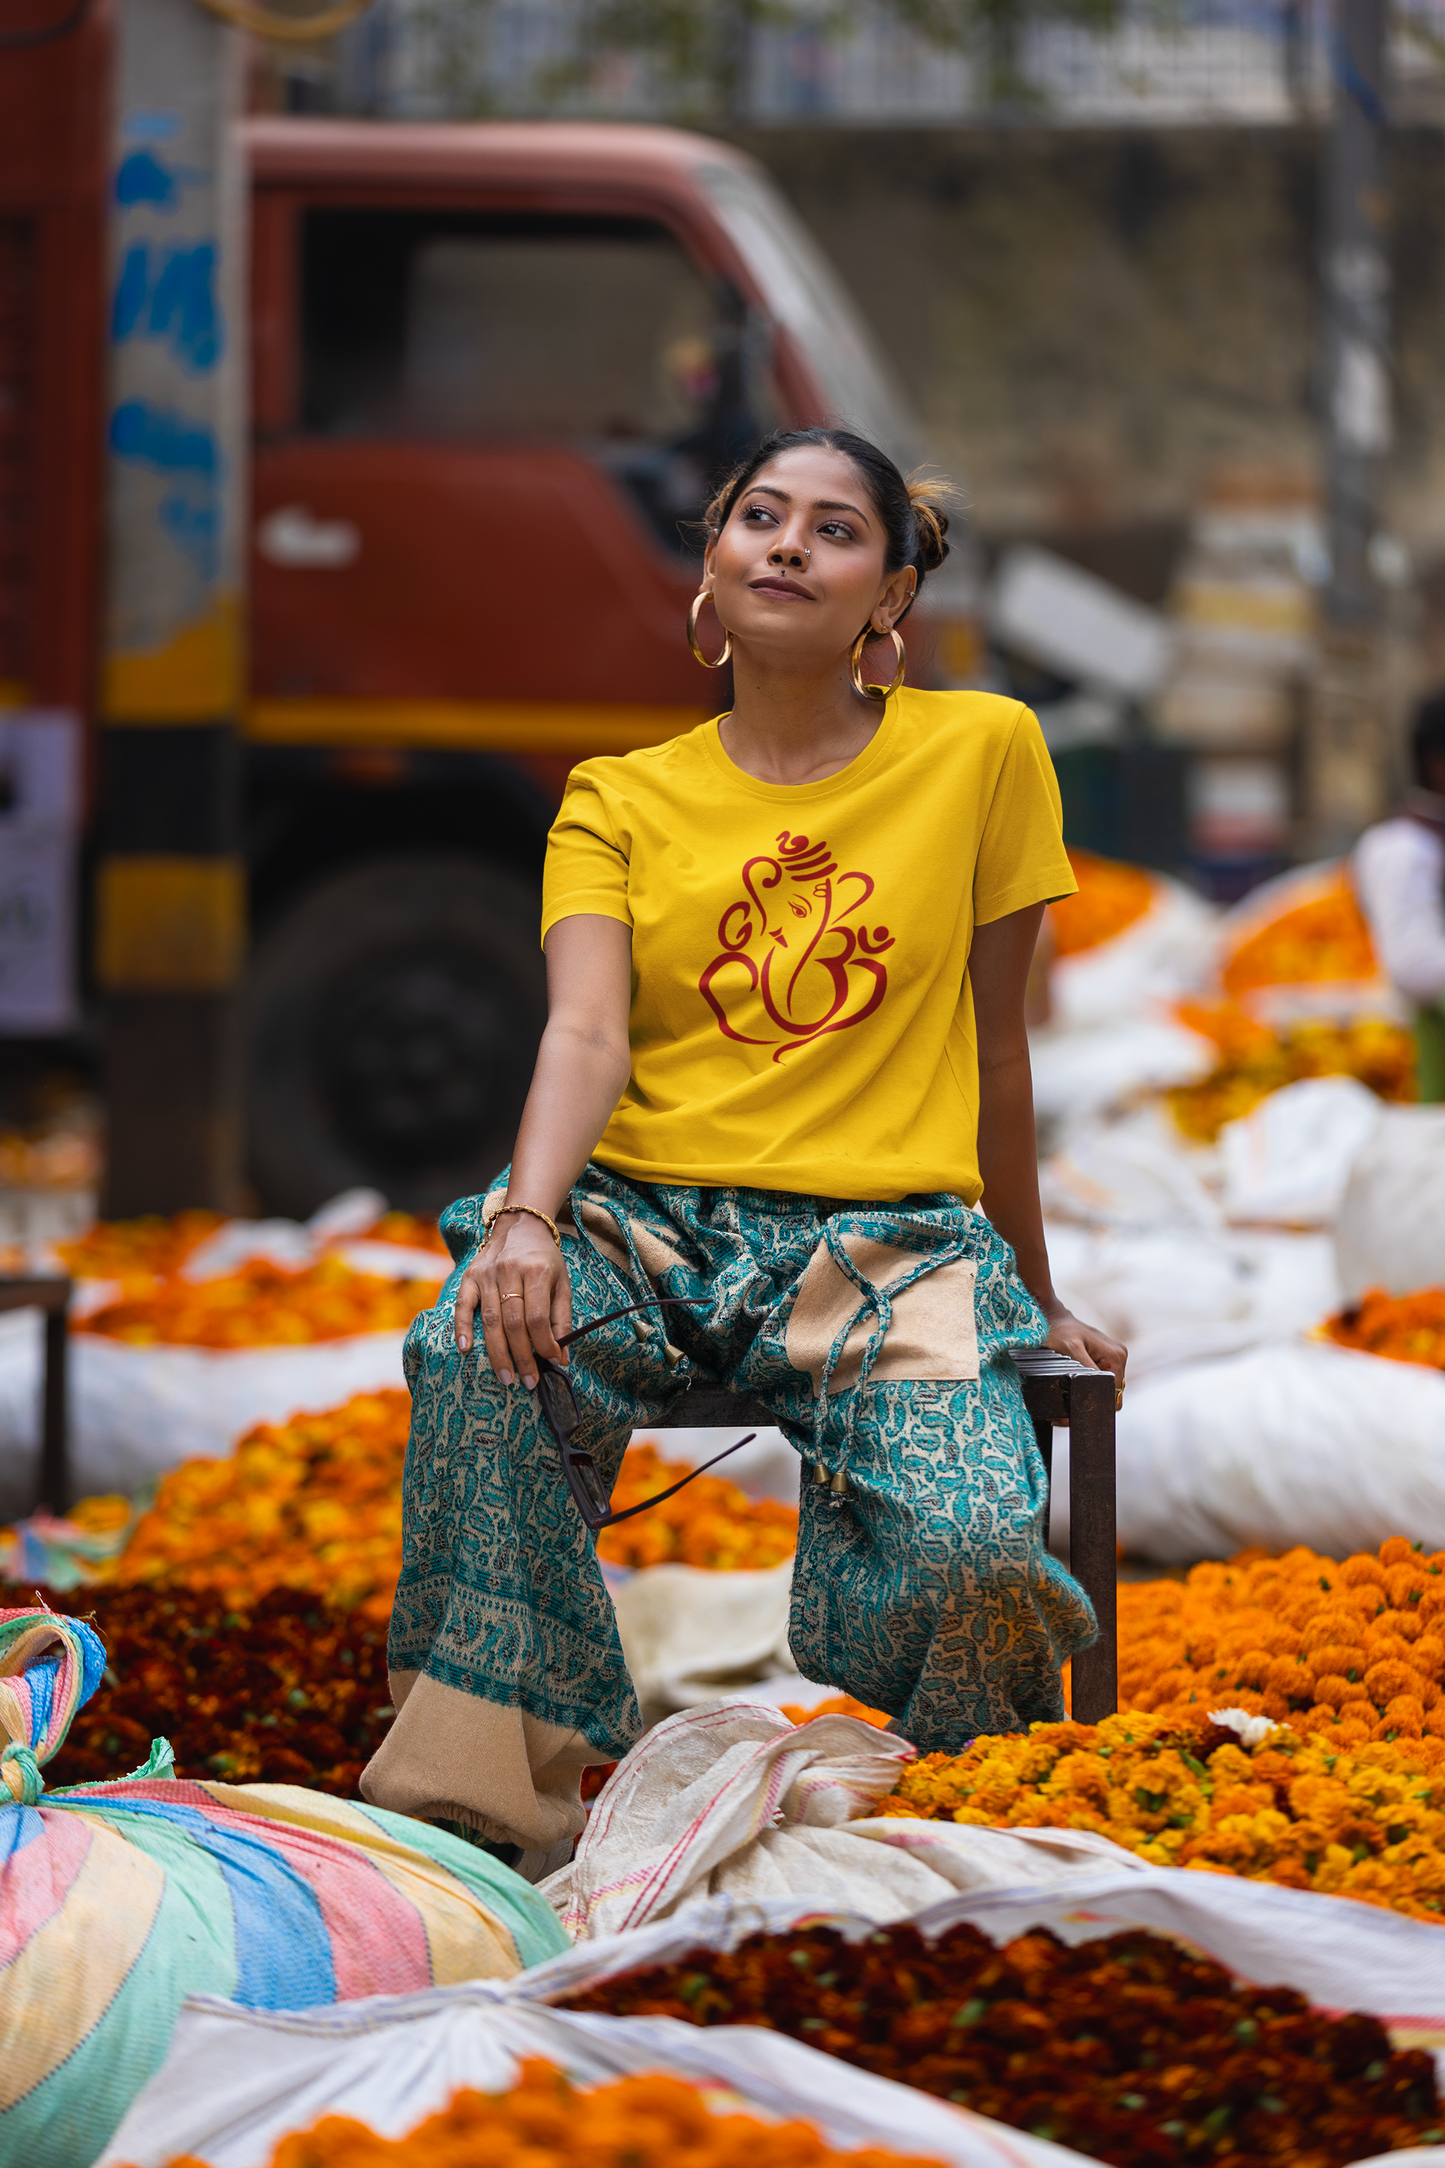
1354	1651
546	2122
311	1504
1131	2048
288	1692
138	1252
261	1304
246	1613
1255	1061
1364	1821
1322	938
1404	1328
1110	898
712	1523
1335	1672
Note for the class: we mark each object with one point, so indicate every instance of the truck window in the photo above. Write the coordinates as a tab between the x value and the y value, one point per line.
806	295
600	333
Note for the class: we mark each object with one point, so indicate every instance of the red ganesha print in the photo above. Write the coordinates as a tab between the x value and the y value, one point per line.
793	938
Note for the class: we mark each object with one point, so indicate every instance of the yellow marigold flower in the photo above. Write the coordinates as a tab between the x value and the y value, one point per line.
1309	1810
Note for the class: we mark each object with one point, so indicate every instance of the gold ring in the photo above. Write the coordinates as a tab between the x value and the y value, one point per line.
514	1298
1118	1399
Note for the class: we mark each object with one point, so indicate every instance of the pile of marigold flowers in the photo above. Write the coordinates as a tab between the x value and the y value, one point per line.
1255	1061
1405	1328
545	2121
836	1705
712	1523
1354	1650
261	1305
137	1251
1130	2048
154	1247
286	1692
1347	1820
1110	897
1324	937
314	1503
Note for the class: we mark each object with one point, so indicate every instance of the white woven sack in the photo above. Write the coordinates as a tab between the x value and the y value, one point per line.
1391	1227
1291	1442
691	1635
1168	952
1288	1160
136	1412
732	1800
237	2080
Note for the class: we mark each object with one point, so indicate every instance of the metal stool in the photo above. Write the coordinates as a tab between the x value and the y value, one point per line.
1057	1390
53	1297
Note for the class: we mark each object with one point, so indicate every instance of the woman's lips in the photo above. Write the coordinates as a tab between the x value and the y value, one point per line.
780	587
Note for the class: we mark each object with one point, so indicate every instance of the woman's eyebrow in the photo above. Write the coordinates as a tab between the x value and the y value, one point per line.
820	504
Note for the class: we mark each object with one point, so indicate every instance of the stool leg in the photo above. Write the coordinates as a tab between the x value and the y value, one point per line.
1044	1436
54	1460
1093	1543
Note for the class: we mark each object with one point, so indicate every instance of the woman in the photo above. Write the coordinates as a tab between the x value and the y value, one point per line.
785	1055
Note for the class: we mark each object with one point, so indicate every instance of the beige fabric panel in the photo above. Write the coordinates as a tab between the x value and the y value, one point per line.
934	1332
656	1256
602	1227
447	1750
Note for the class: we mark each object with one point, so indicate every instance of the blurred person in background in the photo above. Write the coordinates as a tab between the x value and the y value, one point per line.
1399	877
785	1056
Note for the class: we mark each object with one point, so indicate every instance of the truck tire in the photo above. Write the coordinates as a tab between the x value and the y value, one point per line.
393	1017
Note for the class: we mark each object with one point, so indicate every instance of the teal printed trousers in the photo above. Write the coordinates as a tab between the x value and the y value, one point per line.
876	1337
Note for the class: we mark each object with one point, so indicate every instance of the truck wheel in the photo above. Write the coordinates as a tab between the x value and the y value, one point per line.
393	1020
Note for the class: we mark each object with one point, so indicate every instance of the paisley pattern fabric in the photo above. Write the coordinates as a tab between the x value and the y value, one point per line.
926	1590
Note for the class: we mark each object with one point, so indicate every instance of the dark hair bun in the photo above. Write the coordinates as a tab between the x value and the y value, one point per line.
928	495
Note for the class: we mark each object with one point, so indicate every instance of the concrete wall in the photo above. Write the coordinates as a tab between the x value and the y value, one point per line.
1092	322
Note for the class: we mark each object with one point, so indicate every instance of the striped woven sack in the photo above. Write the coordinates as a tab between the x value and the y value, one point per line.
118	1900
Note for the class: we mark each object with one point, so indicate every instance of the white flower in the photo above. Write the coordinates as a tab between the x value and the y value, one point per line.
1252	1731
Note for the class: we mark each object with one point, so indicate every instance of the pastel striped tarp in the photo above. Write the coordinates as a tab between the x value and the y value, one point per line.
49	1665
119	1900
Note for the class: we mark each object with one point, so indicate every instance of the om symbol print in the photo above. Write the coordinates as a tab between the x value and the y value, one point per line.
788	940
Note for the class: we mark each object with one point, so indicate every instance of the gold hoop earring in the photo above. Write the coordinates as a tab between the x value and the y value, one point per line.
727	647
855	664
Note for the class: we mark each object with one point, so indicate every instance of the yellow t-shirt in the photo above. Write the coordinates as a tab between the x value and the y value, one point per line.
801	1015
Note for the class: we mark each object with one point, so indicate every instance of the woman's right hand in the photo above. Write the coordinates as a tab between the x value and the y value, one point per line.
518	1286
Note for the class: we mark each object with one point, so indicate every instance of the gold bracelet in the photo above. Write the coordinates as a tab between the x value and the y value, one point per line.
531	1210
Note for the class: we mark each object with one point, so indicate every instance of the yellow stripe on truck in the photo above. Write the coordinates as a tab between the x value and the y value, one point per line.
481	726
169	925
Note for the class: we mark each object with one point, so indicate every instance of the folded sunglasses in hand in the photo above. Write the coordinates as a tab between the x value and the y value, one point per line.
560	1413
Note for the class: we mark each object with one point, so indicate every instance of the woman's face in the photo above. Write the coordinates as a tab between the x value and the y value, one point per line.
798	568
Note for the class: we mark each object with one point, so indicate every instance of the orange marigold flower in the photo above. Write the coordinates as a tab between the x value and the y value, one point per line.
651	2121
1110	897
712	1523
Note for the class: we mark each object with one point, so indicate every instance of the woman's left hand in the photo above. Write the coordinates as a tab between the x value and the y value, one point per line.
1088	1344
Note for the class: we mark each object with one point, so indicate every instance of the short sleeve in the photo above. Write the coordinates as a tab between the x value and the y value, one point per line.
1021	855
587	858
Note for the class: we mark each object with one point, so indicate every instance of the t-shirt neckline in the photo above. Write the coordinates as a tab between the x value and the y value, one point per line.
873	753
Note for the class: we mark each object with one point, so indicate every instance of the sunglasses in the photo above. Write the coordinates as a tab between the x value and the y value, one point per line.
560	1413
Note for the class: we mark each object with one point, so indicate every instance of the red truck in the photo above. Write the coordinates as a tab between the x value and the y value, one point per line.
496	370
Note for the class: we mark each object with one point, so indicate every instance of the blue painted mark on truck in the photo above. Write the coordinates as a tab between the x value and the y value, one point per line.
191	516
159	437
142	178
170	296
